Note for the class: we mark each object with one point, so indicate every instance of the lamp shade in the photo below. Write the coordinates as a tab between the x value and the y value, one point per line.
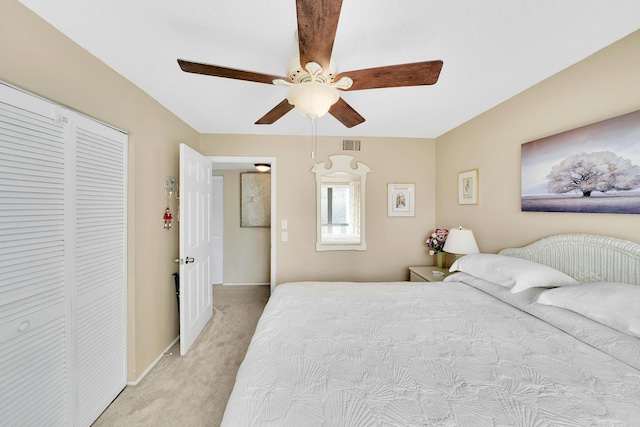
312	99
460	241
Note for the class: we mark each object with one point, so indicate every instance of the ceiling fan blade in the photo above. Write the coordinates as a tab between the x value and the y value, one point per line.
230	73
345	114
276	112
317	25
415	74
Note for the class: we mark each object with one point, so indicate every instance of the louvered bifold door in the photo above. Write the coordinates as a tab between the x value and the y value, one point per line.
34	380
100	277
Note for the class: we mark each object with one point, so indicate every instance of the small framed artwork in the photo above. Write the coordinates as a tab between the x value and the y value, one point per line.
468	187
402	199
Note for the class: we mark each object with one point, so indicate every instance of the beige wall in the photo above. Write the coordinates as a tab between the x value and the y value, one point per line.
393	244
247	254
36	57
602	86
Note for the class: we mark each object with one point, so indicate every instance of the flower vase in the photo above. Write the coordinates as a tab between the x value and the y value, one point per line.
441	259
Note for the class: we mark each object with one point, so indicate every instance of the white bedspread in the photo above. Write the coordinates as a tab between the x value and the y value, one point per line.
421	354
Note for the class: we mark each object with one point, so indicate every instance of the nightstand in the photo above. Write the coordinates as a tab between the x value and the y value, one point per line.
426	274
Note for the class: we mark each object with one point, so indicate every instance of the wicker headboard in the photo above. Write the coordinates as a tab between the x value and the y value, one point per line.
585	257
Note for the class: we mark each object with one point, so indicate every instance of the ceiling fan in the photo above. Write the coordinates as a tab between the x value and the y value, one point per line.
313	89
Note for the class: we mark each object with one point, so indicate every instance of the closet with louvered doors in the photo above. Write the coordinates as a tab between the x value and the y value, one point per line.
62	263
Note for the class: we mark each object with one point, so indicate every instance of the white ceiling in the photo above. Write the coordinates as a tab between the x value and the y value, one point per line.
492	50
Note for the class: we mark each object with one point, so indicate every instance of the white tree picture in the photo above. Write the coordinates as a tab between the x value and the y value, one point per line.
595	168
601	171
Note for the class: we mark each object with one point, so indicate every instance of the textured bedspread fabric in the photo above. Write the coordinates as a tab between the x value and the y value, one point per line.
623	347
421	354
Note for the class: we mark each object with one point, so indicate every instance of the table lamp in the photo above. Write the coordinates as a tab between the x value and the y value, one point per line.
460	241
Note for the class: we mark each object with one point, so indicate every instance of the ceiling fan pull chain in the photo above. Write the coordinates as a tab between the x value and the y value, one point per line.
314	134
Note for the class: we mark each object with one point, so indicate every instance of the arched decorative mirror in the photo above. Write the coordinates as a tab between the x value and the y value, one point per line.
340	202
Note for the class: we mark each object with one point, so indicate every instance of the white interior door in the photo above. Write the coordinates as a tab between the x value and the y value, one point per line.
195	245
99	266
35	374
62	263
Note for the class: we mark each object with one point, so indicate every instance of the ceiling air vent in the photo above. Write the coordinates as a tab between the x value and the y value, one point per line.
351	145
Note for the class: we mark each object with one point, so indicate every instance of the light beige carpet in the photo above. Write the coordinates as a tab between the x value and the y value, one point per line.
193	390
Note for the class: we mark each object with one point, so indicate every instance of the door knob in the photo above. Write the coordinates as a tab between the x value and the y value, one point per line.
188	260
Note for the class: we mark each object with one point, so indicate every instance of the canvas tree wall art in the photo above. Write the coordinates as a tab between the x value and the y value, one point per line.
255	200
594	169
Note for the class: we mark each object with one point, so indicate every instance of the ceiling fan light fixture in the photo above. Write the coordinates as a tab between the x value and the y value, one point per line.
312	99
312	86
262	167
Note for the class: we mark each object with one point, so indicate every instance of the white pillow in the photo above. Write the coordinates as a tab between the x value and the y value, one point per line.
616	305
515	273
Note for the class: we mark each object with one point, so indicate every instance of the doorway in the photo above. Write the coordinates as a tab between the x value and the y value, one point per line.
242	163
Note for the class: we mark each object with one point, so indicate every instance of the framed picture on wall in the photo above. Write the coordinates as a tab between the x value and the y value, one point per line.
255	199
468	187
590	169
401	199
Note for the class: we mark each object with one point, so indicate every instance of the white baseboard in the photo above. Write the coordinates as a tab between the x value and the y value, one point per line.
154	363
245	284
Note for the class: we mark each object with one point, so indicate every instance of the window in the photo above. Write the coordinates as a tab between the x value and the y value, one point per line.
336	209
340	204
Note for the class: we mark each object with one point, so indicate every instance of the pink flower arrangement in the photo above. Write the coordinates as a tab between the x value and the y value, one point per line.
436	241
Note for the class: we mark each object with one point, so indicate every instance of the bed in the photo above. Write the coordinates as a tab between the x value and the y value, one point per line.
499	343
